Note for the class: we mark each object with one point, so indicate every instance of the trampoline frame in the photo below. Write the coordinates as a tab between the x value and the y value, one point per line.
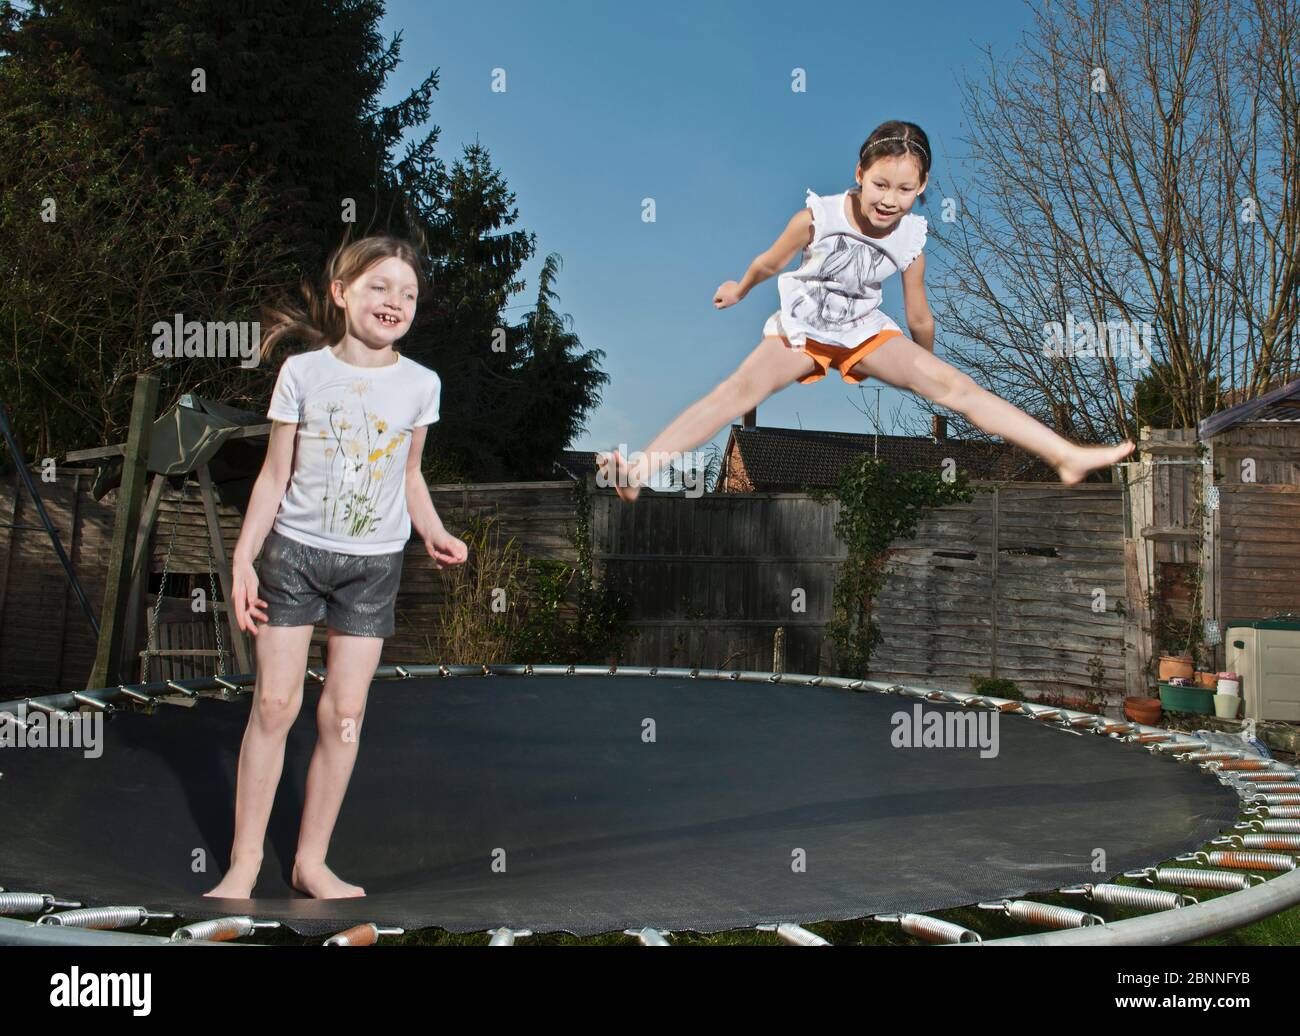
1163	927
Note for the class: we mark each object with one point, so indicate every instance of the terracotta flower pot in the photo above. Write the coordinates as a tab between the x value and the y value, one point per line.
1210	680
1175	665
1142	710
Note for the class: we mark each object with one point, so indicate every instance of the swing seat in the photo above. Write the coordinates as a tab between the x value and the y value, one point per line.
187	643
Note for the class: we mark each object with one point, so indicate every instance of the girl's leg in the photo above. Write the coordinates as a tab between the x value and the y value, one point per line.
904	364
771	366
349	669
277	697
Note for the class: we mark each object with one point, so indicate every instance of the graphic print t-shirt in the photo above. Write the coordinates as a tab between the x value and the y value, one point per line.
835	294
348	490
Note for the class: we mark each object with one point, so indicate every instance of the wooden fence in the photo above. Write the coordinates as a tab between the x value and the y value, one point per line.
46	641
1029	581
1025	582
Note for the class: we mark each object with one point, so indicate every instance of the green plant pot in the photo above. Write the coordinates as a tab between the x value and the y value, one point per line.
1187	699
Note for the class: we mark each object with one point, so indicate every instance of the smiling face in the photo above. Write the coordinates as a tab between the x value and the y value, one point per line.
380	303
889	189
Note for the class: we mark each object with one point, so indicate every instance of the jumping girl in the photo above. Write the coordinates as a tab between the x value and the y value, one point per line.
830	316
335	503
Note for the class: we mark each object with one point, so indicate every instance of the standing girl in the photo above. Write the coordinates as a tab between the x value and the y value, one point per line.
331	512
830	316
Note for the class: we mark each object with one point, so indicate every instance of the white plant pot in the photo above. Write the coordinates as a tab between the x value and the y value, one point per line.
1229	687
1225	705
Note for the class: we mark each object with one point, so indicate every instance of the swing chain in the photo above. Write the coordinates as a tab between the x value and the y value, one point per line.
162	586
212	603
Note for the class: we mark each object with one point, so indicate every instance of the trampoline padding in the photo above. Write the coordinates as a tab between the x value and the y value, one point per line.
598	829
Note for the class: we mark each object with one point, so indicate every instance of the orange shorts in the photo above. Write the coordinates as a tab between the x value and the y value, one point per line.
842	358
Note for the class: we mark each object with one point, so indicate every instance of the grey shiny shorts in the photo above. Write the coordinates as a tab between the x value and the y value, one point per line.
354	593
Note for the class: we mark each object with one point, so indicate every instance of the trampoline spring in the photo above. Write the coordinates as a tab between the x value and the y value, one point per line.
793	934
1278	811
1247	764
1248	860
1286	843
1181	747
220	929
931	929
93	703
1271	777
30	903
507	936
136	695
1249	788
1199	878
1131	896
104	918
1209	757
1250	783
367	934
1047	915
1152	739
647	936
178	688
49	710
1268	824
1283	799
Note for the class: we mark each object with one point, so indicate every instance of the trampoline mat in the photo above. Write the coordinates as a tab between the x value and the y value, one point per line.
593	804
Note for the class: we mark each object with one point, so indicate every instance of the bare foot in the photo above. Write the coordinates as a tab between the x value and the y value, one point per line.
615	471
1088	458
320	882
238	882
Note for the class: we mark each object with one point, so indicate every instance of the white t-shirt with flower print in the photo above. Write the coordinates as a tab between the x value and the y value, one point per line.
348	489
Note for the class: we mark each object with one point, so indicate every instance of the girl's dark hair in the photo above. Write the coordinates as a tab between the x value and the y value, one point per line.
320	322
896	138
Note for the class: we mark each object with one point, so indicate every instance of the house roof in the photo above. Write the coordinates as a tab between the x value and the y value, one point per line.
1281	404
780	458
776	459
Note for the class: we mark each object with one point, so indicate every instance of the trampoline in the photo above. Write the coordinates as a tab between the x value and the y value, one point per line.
588	800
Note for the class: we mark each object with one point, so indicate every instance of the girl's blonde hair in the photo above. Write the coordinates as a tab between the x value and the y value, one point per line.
320	321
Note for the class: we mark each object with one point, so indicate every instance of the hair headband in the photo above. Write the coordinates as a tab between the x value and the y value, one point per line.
905	140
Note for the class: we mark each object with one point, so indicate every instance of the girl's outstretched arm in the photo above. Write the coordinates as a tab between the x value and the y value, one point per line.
796	236
263	506
920	321
442	546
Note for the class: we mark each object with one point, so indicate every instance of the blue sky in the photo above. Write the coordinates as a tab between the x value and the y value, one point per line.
689	103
